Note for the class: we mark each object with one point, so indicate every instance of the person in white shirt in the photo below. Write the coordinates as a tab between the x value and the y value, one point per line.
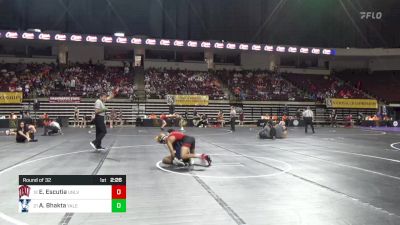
308	117
53	128
100	112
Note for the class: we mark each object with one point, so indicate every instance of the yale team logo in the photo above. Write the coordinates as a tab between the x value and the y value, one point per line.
24	200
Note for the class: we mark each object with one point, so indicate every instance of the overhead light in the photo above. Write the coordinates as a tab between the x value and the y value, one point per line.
119	34
35	30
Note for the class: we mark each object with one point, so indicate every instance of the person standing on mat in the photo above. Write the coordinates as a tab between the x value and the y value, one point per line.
308	116
333	117
100	113
233	118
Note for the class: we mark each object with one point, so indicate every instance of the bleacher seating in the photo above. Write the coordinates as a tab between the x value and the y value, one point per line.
384	85
84	80
260	86
320	87
159	83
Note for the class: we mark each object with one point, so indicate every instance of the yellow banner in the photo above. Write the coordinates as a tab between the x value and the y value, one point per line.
190	100
352	103
10	97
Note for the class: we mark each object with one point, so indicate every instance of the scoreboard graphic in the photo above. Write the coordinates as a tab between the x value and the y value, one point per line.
72	193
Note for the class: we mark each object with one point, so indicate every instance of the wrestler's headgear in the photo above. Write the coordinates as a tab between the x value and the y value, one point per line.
161	138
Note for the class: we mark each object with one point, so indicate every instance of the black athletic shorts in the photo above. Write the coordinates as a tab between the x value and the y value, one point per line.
187	141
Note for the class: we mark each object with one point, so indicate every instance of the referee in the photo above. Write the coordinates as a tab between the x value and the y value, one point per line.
233	118
100	113
308	116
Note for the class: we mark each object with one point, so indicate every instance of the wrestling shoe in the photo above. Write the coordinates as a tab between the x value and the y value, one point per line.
178	162
207	158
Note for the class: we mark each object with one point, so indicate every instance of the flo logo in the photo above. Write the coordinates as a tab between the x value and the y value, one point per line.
24	199
371	15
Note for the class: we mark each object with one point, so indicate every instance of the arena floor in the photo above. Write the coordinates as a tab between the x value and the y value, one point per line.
336	176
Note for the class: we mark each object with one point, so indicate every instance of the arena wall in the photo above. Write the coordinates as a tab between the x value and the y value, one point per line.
343	63
84	52
13	59
261	61
194	66
314	71
386	63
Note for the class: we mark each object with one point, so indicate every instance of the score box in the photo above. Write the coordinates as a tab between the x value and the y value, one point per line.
72	193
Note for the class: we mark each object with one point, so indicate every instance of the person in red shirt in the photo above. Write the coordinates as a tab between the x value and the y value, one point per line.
181	148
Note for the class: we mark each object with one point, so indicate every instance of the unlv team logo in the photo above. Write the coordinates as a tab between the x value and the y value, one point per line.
24	191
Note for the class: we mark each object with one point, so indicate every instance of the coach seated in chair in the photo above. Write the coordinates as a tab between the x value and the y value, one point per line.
220	118
25	133
203	121
196	120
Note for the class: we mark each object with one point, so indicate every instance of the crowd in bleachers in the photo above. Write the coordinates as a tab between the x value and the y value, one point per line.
85	80
383	85
260	86
320	87
159	83
88	80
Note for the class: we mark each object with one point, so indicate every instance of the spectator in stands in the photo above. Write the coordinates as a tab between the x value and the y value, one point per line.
160	83
75	80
